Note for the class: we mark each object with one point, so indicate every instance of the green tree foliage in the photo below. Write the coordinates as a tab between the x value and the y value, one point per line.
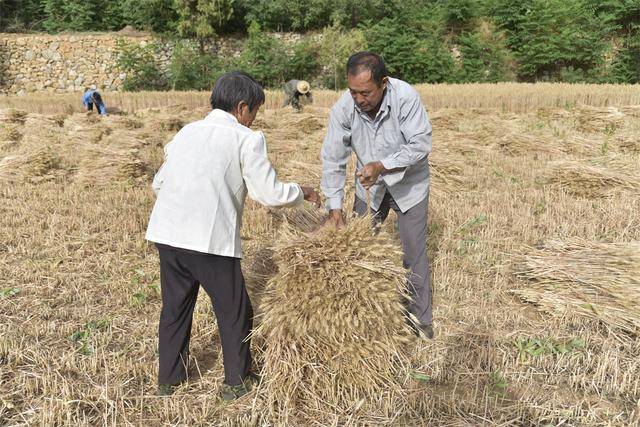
159	16
484	56
264	57
21	15
203	19
336	47
549	37
626	66
139	64
414	46
72	15
190	69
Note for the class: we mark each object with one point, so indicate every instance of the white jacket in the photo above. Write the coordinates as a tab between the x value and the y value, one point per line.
201	187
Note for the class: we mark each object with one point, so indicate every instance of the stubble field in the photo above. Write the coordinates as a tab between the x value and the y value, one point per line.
534	241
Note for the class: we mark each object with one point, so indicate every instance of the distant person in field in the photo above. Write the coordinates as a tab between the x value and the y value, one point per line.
383	121
209	168
294	90
92	97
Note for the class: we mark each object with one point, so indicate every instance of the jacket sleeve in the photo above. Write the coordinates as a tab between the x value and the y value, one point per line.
260	177
335	156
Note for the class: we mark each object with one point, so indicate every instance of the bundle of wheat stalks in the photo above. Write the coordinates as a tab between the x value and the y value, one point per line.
33	166
333	326
594	279
599	178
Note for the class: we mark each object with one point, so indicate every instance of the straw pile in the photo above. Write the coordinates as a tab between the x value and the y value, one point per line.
102	166
594	119
33	166
12	115
446	171
593	279
333	326
601	178
518	144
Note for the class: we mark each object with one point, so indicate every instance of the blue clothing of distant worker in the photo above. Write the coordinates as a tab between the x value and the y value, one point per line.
91	97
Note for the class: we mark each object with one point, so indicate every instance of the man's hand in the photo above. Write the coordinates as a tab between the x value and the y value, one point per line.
369	174
336	218
311	195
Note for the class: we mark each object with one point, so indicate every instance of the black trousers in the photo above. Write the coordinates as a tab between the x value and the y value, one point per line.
181	274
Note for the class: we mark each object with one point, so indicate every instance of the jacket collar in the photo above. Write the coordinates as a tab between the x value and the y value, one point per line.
221	114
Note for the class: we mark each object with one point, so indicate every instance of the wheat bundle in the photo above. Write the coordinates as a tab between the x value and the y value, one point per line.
518	144
580	145
594	119
333	325
101	166
33	166
446	170
9	136
628	144
12	115
82	128
593	279
599	178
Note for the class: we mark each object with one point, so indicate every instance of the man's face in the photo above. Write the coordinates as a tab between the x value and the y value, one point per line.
246	116
365	91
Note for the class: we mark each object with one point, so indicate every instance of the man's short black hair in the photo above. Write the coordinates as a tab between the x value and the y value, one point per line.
370	61
233	87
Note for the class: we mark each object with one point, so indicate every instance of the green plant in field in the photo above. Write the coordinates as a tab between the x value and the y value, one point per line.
498	383
9	292
471	223
82	337
146	290
534	347
420	376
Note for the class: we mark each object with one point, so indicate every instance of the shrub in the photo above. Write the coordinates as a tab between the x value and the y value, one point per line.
139	64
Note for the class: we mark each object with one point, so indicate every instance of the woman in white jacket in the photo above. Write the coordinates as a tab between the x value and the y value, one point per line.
209	167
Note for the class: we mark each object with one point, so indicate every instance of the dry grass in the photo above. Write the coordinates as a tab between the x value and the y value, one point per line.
510	97
578	276
600	177
79	302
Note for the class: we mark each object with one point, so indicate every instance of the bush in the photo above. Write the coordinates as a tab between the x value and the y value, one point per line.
410	54
335	48
264	57
139	64
189	69
485	57
304	61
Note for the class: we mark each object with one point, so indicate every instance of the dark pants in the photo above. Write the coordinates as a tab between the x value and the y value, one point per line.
181	274
412	227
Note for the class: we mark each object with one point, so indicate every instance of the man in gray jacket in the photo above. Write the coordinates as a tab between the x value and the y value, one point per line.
294	90
382	120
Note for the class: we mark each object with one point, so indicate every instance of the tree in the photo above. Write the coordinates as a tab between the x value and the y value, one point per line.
335	49
203	19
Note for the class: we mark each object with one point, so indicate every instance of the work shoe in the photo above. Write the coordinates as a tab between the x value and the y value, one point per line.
421	331
166	389
233	392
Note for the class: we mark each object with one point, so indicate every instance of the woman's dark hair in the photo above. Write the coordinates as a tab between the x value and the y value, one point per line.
233	87
361	61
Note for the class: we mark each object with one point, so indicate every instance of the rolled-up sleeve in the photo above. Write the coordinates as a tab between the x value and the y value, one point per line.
416	130
261	179
335	156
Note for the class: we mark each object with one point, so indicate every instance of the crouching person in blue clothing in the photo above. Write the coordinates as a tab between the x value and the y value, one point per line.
92	96
209	168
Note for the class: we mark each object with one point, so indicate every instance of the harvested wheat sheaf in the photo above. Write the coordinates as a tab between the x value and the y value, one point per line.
333	326
12	115
593	279
32	166
105	166
601	177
